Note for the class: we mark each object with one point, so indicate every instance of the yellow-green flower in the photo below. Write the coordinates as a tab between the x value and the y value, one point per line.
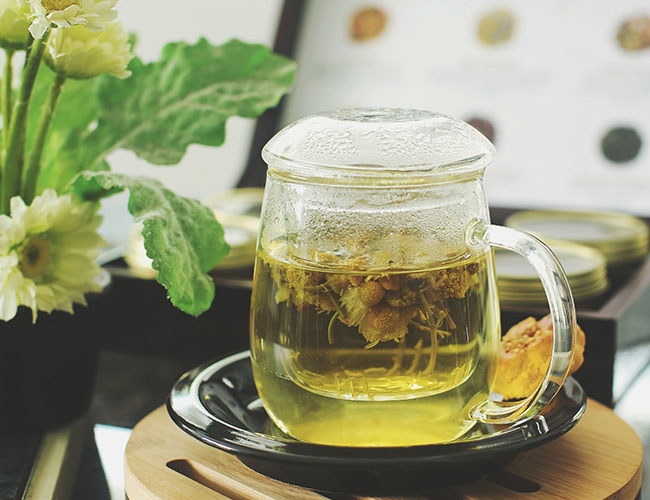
93	14
14	289
13	26
79	53
48	253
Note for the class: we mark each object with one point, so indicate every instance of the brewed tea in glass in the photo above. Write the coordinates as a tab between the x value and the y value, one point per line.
374	315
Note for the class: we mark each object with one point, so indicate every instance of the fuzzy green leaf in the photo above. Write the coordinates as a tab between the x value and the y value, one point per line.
184	98
181	236
77	109
65	157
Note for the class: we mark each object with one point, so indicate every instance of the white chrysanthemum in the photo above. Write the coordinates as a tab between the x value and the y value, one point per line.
79	53
93	14
13	26
47	254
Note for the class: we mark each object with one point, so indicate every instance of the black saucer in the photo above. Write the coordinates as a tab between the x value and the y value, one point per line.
217	403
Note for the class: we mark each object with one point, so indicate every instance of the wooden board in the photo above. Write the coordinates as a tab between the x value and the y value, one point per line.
599	459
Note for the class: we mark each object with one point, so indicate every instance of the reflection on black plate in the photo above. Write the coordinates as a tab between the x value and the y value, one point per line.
217	403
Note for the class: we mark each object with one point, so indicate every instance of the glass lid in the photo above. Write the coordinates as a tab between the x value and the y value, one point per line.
378	142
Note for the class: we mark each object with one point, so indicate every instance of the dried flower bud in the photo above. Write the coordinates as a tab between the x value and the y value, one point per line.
371	293
393	282
384	322
402	298
300	278
338	282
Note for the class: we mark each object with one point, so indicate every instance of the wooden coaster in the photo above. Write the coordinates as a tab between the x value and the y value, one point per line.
599	459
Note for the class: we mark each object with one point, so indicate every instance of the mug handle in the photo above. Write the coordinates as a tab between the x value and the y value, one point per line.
560	301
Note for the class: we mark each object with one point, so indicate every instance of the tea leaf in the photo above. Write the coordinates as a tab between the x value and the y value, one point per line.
181	235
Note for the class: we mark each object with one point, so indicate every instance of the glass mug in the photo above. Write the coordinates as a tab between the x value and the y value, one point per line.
374	314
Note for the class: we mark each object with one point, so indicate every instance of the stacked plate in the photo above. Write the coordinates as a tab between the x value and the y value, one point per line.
519	284
621	238
237	210
243	201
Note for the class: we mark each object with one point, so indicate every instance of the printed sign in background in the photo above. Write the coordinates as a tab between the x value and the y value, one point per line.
561	87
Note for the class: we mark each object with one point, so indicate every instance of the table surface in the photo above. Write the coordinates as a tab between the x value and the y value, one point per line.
129	386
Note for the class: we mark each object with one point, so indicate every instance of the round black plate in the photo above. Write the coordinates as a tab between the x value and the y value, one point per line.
217	403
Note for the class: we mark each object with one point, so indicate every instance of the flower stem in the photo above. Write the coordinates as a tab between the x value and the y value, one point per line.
13	165
336	303
330	331
434	337
6	96
36	152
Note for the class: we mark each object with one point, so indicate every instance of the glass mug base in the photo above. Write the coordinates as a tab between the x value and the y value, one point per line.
314	418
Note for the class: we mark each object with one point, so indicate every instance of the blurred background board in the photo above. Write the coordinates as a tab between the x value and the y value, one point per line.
560	87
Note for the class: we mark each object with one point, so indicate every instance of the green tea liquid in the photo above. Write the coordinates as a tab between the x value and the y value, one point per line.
395	358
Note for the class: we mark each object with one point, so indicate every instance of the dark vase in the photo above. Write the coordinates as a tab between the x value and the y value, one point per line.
48	368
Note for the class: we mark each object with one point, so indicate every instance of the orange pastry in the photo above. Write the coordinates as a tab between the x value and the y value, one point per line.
525	354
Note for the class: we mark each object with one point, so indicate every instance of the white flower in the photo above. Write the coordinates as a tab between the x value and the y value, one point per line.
93	14
13	26
79	53
47	254
14	289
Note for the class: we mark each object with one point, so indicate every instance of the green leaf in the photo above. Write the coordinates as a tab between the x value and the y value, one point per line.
181	236
77	109
185	98
65	157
